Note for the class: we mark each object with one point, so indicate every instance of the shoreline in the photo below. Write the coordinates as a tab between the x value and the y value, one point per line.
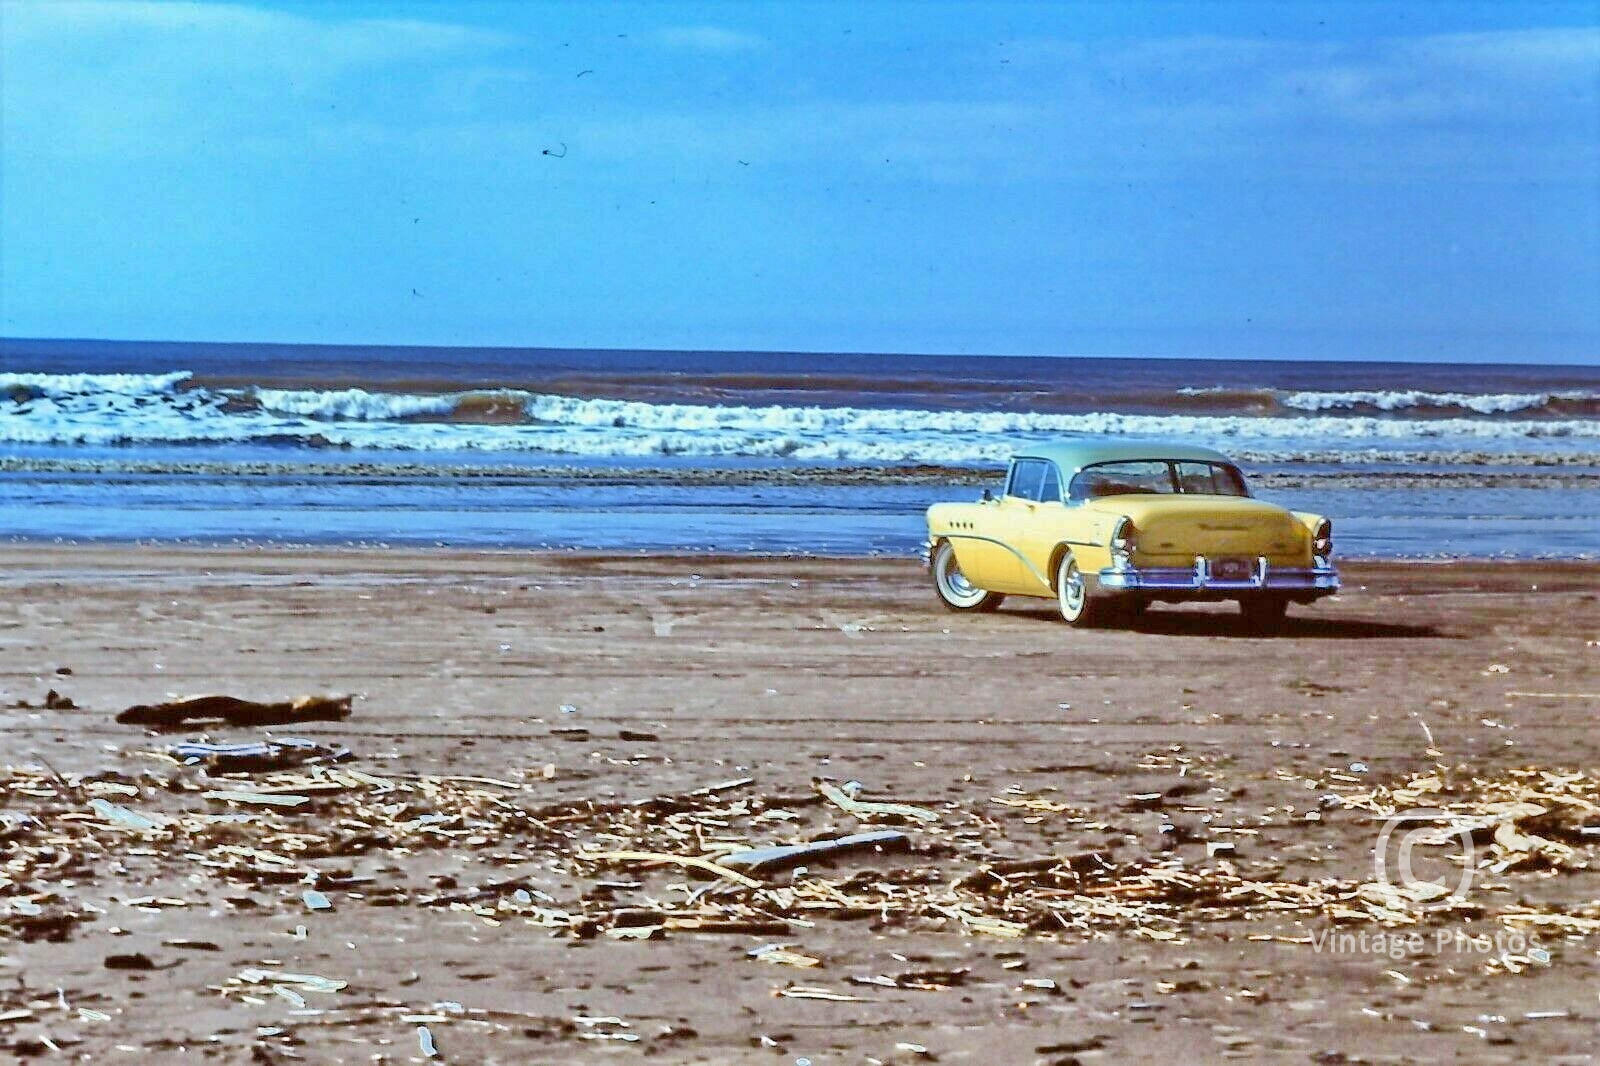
1541	472
104	559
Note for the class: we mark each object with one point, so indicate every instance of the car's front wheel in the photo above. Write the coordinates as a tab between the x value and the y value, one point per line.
955	591
1081	605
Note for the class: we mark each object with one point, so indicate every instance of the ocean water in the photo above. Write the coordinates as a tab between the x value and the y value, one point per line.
751	451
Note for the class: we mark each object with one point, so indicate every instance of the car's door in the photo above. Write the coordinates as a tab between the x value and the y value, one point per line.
1039	521
994	549
1010	519
980	551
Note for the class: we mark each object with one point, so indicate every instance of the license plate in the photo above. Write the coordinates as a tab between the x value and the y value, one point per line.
1231	569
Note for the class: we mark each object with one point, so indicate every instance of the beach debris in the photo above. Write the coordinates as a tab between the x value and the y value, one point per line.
637	932
810	992
236	711
920	980
279	753
607	1027
270	799
789	854
1526	815
690	861
848	803
299	983
425	1042
967	876
122	817
780	955
129	961
1554	695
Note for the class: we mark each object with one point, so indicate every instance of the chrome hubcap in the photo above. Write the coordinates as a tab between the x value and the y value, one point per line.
953	584
1072	590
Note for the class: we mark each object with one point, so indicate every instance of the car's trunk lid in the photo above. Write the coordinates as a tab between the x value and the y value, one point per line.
1173	529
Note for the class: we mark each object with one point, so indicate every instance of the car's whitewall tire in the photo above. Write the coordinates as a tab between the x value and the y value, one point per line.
1081	604
955	591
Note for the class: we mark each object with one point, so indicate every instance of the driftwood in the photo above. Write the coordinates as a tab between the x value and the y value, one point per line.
790	854
864	809
235	711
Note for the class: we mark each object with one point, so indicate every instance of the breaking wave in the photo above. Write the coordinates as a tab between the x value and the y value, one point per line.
1548	403
171	408
1412	402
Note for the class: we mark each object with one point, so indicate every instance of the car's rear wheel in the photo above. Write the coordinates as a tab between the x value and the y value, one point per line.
1264	614
1080	604
955	591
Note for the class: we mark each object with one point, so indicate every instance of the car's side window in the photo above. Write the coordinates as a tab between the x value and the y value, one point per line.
1050	487
1012	477
1026	477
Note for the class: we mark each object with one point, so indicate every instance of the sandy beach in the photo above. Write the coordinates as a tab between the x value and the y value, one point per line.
691	706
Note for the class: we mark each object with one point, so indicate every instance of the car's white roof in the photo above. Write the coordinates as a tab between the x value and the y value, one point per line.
1073	455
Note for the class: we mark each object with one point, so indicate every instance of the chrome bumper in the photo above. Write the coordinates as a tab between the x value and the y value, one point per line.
1323	578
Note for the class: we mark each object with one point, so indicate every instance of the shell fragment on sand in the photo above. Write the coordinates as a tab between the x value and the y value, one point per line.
123	818
805	992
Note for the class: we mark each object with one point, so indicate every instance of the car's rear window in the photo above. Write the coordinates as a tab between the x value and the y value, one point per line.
1157	476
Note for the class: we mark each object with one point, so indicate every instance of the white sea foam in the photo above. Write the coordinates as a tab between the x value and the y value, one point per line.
63	385
356	404
1409	399
151	409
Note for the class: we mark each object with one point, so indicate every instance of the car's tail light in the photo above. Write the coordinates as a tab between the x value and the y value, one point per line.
1124	538
1322	540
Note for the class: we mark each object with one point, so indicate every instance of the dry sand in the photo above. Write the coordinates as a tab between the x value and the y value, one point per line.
783	671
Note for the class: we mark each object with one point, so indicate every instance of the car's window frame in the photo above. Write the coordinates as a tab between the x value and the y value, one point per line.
1172	475
1048	467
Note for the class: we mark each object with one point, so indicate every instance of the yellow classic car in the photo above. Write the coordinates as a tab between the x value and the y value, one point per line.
1105	528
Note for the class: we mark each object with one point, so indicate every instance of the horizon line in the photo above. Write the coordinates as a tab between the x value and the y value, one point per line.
1392	360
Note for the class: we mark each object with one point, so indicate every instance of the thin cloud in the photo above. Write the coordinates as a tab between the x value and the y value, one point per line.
95	77
69	25
1529	74
709	39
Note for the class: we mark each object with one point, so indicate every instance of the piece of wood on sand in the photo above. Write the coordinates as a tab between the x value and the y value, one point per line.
236	711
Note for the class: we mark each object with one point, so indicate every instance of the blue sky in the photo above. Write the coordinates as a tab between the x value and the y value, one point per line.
1388	180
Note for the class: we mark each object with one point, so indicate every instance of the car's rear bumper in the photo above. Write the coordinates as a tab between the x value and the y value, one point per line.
1320	579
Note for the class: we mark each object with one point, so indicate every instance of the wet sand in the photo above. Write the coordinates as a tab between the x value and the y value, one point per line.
527	669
